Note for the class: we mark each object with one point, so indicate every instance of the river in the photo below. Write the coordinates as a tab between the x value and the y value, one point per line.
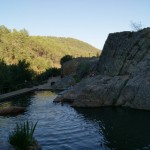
61	127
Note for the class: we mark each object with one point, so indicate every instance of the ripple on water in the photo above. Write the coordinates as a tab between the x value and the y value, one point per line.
65	128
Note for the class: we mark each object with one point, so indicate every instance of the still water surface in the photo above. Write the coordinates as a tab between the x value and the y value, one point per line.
61	127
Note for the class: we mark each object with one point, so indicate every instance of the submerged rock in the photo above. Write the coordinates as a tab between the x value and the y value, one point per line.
35	147
124	74
12	110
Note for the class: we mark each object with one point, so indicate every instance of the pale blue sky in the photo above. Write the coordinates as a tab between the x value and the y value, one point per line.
87	20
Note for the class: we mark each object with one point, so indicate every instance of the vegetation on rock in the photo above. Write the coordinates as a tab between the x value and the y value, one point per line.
22	136
83	69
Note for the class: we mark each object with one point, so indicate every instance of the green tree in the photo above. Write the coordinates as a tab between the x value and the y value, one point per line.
40	51
65	59
24	32
4	30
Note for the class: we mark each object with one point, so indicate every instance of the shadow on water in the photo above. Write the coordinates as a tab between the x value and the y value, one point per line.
123	128
23	101
60	127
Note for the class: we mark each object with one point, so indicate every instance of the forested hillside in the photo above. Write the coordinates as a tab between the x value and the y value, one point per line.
40	52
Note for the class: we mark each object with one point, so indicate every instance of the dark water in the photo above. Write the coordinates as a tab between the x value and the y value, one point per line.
61	127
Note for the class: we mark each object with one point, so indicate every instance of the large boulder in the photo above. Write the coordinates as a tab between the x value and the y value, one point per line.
124	74
100	91
64	83
74	66
69	67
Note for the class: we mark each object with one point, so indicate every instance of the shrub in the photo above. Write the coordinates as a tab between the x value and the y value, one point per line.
136	26
83	69
51	72
65	59
22	136
77	78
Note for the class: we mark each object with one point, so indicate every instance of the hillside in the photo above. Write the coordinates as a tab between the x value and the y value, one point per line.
39	51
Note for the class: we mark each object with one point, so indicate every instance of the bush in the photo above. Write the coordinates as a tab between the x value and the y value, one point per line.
51	72
65	59
83	69
22	136
77	78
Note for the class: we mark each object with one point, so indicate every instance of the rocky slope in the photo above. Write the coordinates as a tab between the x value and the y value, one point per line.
124	74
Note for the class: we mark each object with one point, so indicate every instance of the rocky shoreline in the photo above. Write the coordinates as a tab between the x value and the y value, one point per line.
123	74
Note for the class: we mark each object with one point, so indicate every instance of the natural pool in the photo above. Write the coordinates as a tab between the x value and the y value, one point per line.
61	127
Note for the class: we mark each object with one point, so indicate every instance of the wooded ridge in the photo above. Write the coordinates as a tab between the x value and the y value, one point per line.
41	52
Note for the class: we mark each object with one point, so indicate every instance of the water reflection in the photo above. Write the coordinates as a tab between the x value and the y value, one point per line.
63	127
23	101
122	128
45	94
6	104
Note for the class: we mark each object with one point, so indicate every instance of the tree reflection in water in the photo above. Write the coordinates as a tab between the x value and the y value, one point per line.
122	128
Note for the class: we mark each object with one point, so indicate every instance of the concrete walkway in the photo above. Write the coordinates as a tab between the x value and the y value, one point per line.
46	86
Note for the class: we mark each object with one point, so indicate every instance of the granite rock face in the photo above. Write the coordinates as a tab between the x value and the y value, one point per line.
124	74
64	83
72	67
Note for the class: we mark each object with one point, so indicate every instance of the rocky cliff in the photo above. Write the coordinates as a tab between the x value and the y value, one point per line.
124	74
72	67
